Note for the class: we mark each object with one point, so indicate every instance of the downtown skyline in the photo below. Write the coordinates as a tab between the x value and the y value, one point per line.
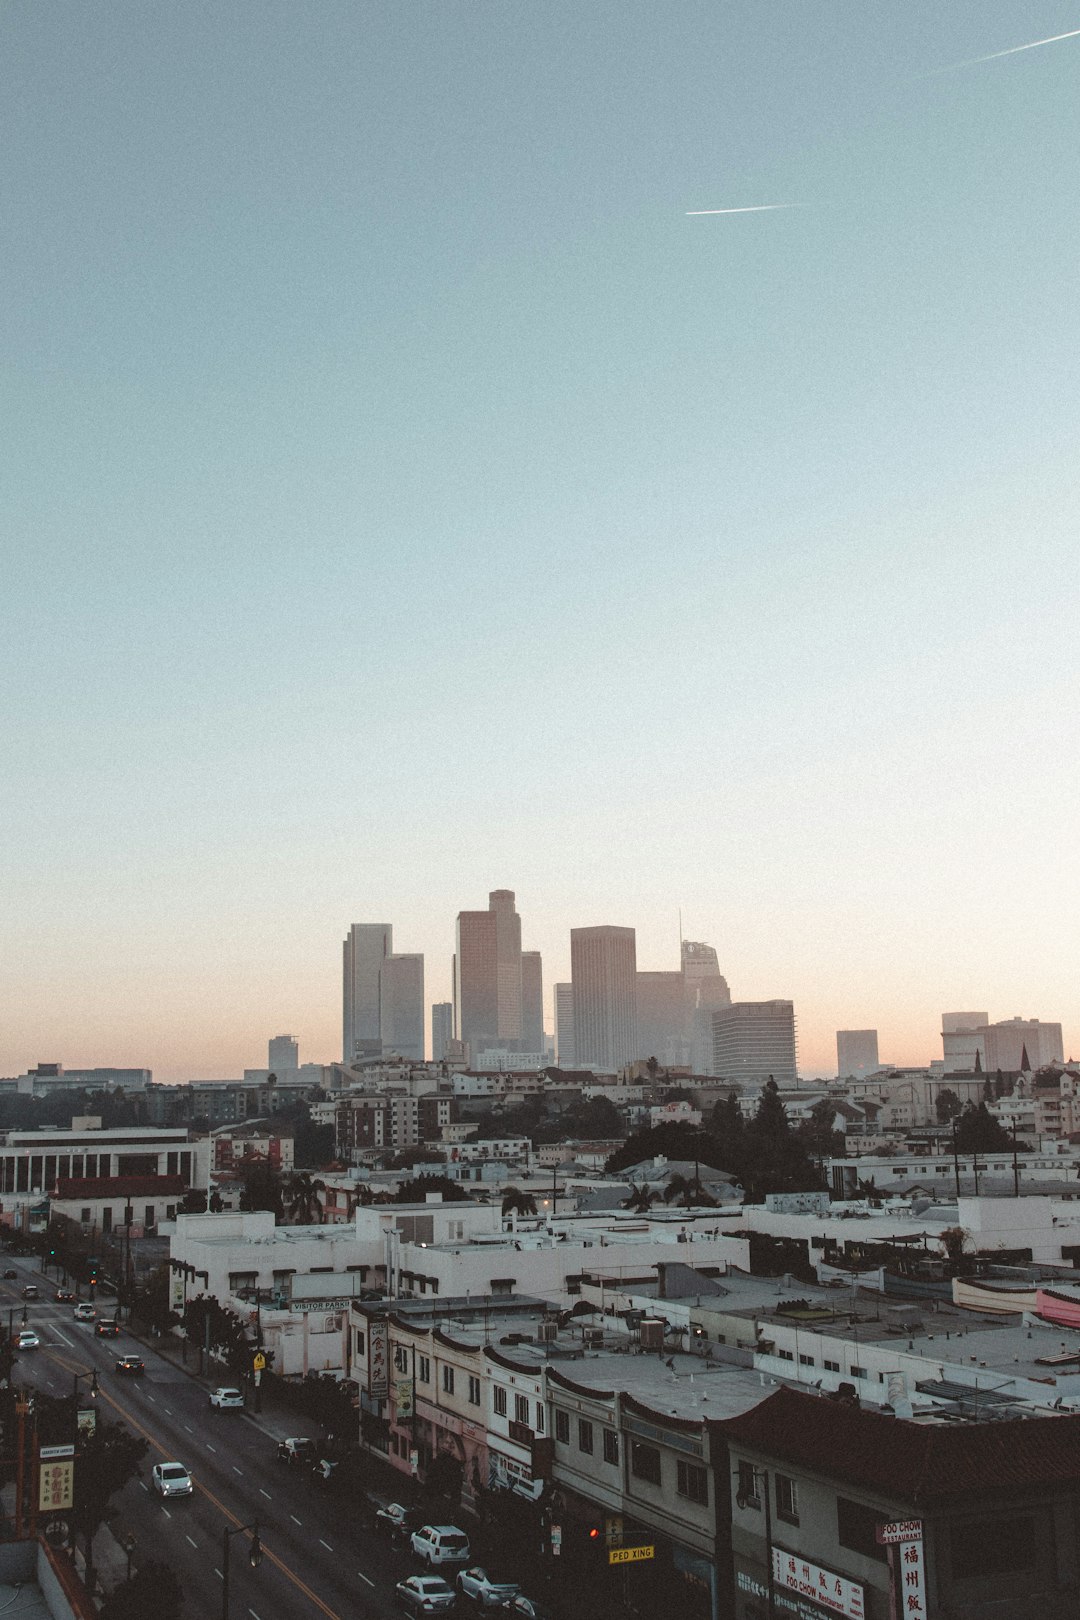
436	460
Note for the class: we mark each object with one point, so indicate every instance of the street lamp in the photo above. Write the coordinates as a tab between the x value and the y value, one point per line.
254	1558
129	1543
76	1380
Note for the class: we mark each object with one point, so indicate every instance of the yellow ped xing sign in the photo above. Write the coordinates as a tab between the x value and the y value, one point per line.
260	1361
631	1555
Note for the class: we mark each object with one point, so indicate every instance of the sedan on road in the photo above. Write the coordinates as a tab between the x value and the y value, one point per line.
84	1312
425	1594
108	1330
481	1588
131	1365
172	1479
64	1296
10	1274
226	1397
27	1340
295	1451
520	1607
399	1521
30	1291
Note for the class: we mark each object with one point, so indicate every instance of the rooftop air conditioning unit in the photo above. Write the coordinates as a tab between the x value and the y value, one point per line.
548	1332
594	1337
652	1334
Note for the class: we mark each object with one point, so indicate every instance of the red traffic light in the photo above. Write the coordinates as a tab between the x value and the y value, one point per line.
594	1532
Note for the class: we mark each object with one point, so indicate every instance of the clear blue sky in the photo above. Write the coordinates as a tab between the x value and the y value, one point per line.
402	497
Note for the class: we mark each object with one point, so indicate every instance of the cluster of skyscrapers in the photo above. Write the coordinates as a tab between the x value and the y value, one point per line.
608	1015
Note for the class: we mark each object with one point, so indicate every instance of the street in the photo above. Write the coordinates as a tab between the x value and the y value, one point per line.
317	1559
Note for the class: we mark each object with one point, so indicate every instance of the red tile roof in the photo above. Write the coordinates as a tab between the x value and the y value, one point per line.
912	1462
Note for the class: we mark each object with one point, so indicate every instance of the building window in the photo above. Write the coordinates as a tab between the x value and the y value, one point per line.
499	1400
1006	1545
359	1342
84	1216
787	1499
645	1462
447	1380
423	1369
401	1358
585	1436
474	1390
539	1424
562	1426
692	1481
856	1528
786	1355
831	1366
857	1372
747	1495
521	1409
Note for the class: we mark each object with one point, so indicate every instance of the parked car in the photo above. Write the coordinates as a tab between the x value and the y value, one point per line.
441	1544
31	1291
131	1365
520	1607
297	1451
425	1594
27	1340
481	1588
226	1397
107	1329
398	1521
84	1312
64	1296
172	1479
10	1275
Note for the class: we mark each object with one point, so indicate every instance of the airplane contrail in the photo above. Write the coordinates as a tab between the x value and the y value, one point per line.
1013	49
758	208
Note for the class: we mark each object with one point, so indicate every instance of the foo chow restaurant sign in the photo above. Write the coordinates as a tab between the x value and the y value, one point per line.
829	1591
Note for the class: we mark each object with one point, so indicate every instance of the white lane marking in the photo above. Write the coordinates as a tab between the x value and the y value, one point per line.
151	1398
219	1575
325	1544
194	1543
253	1615
295	1520
145	1486
269	1498
69	1342
165	1510
239	1471
364	1577
209	1447
187	1426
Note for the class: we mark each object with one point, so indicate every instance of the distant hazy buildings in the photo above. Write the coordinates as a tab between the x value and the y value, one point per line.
532	1002
401	1006
969	1041
564	1026
603	972
856	1053
706	989
442	1029
487	972
283	1053
663	1018
753	1040
383	996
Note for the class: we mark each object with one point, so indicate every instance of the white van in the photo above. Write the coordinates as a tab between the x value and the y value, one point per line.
441	1544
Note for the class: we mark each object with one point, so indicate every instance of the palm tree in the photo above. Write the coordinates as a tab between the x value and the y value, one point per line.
300	1195
642	1198
690	1193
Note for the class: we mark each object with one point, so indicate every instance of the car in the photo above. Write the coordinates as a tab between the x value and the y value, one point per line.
10	1275
425	1594
64	1296
30	1291
482	1589
398	1521
107	1329
27	1340
520	1607
441	1544
84	1312
226	1397
172	1479
297	1451
132	1366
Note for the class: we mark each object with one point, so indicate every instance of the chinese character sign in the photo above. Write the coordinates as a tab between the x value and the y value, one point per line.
378	1382
57	1487
831	1591
909	1578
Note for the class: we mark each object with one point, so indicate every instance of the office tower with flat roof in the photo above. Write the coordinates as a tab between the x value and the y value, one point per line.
564	1026
401	1006
663	1019
963	1041
603	972
753	1040
856	1053
487	976
367	946
1010	1040
532	1002
283	1053
442	1029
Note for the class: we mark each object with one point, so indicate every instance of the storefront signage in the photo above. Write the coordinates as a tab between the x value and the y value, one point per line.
377	1360
899	1530
57	1489
828	1590
403	1399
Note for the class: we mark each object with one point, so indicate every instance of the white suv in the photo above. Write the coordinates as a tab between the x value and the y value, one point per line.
441	1544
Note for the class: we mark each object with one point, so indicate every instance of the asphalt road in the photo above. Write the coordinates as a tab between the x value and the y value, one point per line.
317	1560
